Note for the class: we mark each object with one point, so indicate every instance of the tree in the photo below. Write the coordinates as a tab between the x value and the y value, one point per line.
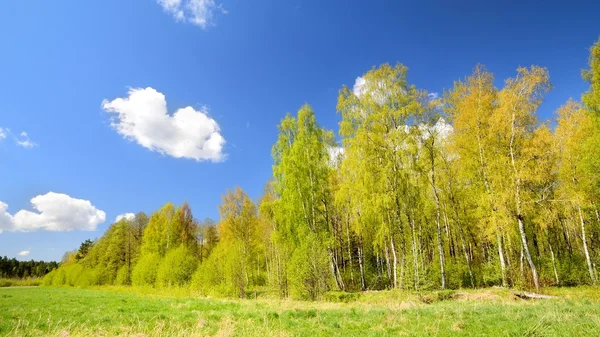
575	127
513	122
84	248
591	98
379	145
301	180
238	232
308	267
471	105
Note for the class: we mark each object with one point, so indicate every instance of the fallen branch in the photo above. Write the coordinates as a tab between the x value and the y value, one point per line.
533	296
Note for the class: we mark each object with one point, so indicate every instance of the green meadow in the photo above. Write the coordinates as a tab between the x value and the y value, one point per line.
42	311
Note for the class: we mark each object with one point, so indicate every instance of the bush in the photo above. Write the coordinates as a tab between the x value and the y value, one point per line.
177	267
341	296
223	273
210	274
60	278
20	282
145	271
444	295
89	277
73	271
6	283
309	269
123	276
48	279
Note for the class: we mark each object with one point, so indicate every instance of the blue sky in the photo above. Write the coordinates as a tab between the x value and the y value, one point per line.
240	66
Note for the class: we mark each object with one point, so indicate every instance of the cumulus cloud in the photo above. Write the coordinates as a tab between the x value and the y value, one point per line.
336	154
23	253
197	12
53	212
126	216
359	86
24	141
188	133
378	91
441	130
2	134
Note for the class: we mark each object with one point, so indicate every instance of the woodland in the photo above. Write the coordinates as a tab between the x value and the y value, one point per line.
415	192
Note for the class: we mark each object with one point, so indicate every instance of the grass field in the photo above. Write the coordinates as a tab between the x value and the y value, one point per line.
40	311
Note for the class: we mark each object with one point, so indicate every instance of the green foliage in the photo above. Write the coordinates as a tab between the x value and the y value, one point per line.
309	269
177	267
14	269
423	193
146	270
48	280
90	277
592	75
22	282
340	296
123	276
209	278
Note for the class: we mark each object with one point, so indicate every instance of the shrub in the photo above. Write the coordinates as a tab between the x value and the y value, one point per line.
123	276
210	274
60	278
89	277
72	273
5	283
340	296
48	279
177	268
144	272
309	269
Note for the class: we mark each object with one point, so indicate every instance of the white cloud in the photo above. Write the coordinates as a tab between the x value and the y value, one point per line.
188	133
441	130
359	86
336	154
6	220
25	141
23	253
198	12
379	91
432	95
126	216
54	212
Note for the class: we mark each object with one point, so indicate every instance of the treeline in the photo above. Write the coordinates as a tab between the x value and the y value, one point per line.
13	268
465	190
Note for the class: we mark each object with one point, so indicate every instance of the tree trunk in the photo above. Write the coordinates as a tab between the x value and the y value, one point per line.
401	284
464	247
379	267
517	182
585	247
502	262
388	265
553	263
333	264
350	252
363	285
521	264
414	251
437	219
395	266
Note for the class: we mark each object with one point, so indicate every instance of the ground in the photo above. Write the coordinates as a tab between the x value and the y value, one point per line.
41	311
